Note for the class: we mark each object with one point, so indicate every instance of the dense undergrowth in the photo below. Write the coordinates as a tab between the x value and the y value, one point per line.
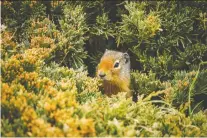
46	89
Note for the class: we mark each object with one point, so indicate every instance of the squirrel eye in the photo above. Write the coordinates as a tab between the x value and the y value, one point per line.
116	65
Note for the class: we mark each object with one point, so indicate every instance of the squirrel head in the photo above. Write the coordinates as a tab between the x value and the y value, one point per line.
114	66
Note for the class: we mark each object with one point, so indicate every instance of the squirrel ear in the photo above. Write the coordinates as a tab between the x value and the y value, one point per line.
126	57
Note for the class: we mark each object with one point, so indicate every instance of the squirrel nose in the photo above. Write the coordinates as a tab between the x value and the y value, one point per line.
101	74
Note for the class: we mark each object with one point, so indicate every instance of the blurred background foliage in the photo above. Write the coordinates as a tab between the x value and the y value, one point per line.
159	36
167	44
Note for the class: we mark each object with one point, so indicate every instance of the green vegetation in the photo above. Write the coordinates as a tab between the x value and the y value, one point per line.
49	54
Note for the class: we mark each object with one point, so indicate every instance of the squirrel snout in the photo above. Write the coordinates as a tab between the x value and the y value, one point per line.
102	74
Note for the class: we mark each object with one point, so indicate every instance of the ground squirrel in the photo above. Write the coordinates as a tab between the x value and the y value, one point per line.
114	70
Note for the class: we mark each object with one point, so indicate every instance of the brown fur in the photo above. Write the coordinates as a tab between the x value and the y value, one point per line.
116	79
